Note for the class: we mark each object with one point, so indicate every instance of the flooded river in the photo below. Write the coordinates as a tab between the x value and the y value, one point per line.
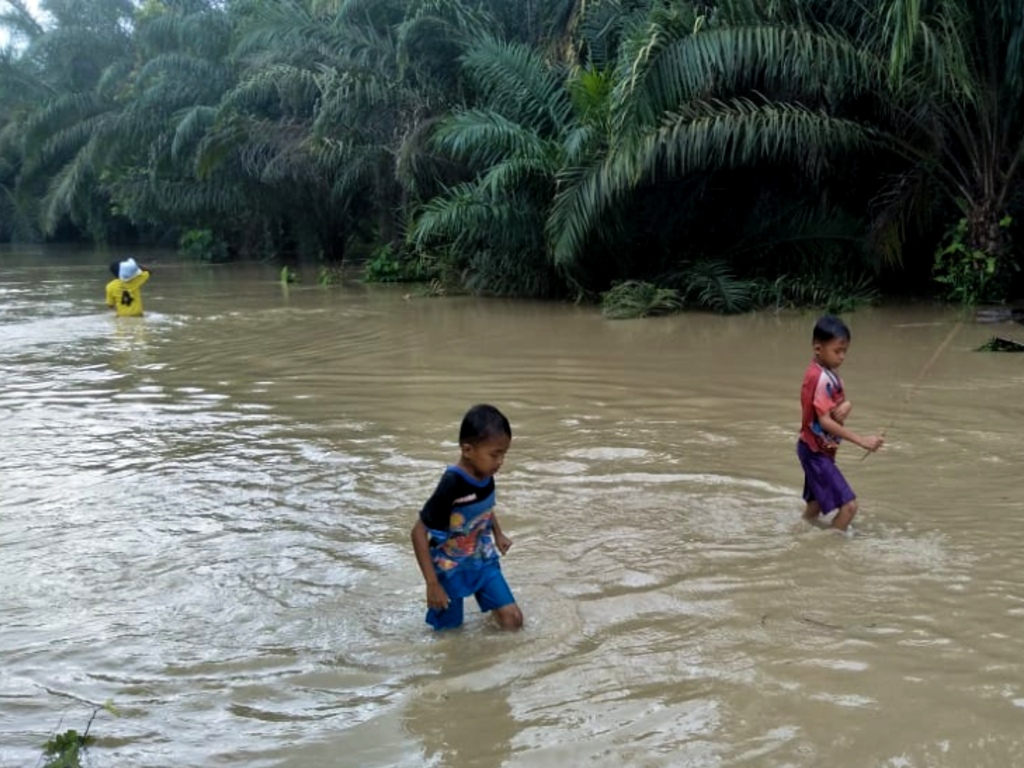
205	513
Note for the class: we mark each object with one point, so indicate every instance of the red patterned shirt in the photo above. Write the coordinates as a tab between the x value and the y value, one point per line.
821	392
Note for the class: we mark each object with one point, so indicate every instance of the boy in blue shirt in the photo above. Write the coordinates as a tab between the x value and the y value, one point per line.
457	536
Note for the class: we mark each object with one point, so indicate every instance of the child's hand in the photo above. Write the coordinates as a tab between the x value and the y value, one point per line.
873	443
842	412
503	542
437	598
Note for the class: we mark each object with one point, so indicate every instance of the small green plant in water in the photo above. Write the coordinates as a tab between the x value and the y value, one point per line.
329	276
64	750
636	298
385	266
288	276
971	276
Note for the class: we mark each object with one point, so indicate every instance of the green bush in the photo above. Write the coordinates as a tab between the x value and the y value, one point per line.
385	266
203	245
971	276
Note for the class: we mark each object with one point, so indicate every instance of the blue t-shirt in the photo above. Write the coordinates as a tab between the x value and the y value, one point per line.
459	517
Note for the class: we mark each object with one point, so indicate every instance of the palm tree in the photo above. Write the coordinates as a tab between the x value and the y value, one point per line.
108	140
933	89
513	144
22	85
689	101
60	70
957	72
331	107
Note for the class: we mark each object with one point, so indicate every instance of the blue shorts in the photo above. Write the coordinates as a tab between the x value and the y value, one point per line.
823	482
487	584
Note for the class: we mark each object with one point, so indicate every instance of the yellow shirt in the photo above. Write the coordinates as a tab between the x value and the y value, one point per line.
125	295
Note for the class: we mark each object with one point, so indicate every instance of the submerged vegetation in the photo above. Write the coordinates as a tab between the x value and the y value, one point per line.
635	298
66	749
651	153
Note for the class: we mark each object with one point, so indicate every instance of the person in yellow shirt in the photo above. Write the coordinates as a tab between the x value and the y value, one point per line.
124	292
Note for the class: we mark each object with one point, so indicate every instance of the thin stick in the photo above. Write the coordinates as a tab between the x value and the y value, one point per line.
920	377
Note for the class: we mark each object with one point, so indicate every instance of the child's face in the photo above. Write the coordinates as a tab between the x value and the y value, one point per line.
832	353
485	458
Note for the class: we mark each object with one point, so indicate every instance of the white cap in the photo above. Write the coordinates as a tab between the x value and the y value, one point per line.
128	269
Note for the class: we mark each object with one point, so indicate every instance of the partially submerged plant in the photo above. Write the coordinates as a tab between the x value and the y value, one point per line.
64	750
636	298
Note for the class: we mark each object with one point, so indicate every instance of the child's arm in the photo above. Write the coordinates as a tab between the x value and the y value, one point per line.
842	411
833	427
436	596
503	541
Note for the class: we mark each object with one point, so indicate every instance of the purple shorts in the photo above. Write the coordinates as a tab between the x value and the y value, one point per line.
823	482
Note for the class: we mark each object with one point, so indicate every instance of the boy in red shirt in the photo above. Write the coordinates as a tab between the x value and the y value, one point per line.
825	410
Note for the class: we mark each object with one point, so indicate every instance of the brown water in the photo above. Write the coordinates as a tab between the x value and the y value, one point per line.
204	519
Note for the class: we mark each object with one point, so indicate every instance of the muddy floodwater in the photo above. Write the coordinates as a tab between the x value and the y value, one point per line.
205	514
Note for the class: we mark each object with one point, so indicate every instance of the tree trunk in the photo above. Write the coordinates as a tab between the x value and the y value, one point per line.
985	232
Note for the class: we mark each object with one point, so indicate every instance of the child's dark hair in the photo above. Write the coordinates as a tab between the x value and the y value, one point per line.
483	422
830	327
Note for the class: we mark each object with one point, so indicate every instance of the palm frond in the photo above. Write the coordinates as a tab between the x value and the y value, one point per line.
704	135
582	197
278	87
176	200
516	81
58	113
67	142
516	175
905	201
114	78
484	137
192	125
461	20
202	75
711	284
205	33
70	182
355	174
17	217
634	299
19	23
669	74
742	131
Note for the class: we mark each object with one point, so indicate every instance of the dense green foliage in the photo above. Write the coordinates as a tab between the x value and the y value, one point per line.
723	155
